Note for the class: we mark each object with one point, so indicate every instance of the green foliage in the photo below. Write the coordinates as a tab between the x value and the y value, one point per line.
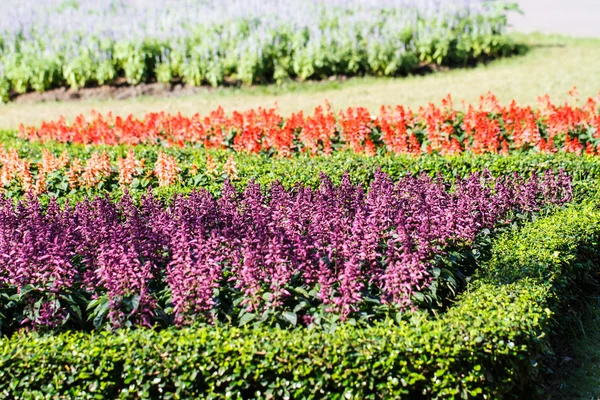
559	250
477	348
211	54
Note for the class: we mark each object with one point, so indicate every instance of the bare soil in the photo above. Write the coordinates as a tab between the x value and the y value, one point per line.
108	92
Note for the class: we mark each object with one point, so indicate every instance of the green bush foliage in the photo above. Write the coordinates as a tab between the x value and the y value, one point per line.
478	346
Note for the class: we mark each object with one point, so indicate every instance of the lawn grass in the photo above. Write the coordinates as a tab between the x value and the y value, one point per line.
553	65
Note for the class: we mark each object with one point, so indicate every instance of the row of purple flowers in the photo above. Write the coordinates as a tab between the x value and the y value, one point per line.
300	252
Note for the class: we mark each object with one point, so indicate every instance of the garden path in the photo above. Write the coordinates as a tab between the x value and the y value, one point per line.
579	18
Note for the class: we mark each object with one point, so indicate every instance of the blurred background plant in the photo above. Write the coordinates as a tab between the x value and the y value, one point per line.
48	44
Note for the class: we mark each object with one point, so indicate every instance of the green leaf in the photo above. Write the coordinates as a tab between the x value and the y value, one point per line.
419	297
247	317
26	289
291	317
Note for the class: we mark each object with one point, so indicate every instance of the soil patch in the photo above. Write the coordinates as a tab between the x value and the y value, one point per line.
108	92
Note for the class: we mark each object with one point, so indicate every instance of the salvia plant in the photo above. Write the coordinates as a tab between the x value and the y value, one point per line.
486	127
300	256
51	43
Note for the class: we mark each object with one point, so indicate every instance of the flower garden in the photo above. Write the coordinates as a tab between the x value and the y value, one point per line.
337	253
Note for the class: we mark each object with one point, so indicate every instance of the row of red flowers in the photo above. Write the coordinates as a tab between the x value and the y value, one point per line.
487	127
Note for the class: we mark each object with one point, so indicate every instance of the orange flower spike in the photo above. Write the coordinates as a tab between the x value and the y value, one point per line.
231	168
24	175
251	137
14	167
50	162
486	133
63	160
593	115
28	132
11	165
89	178
166	169
274	135
572	145
590	149
434	122
319	128
40	185
74	173
97	168
196	132
520	126
370	148
414	146
128	168
394	125
214	126
104	164
211	166
355	129
489	103
291	129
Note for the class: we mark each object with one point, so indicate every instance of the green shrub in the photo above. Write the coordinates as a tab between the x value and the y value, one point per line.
560	250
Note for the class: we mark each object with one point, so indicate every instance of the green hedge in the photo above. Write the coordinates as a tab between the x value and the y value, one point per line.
481	345
492	342
561	249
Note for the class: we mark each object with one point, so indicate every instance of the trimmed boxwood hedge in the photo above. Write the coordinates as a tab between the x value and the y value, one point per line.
480	346
492	342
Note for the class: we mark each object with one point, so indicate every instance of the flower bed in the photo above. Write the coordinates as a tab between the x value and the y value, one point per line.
44	45
71	171
286	257
488	127
492	343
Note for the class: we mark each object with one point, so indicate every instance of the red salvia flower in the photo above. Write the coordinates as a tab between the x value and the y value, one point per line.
486	128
